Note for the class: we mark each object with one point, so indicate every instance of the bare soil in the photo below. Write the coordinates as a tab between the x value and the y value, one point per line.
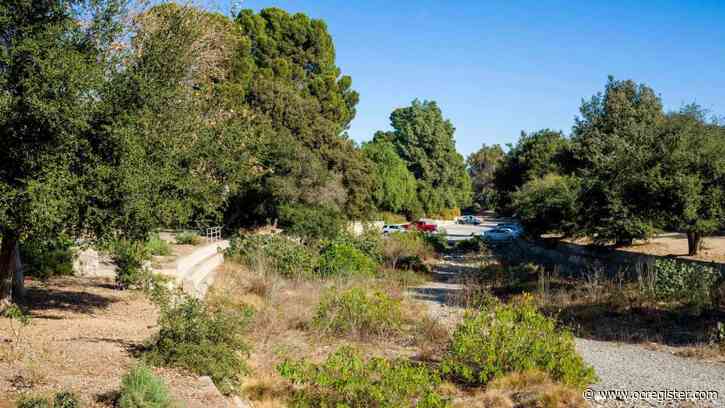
84	335
674	244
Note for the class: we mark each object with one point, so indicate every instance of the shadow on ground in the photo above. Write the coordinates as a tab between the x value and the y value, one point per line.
64	298
605	321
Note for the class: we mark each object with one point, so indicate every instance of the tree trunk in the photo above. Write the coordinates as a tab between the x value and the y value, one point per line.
8	257
694	242
19	280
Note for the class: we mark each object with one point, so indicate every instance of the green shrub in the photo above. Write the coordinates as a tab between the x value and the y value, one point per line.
63	399
437	241
369	242
204	341
188	238
687	282
129	257
413	263
358	312
521	273
548	204
157	246
392	218
284	256
475	244
33	402
140	388
513	338
446	214
341	258
345	379
405	278
311	223
45	258
402	245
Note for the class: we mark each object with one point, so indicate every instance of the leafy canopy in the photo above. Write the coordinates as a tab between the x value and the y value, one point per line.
424	140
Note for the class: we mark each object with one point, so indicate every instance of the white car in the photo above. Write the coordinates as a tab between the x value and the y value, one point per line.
498	235
390	228
517	229
469	220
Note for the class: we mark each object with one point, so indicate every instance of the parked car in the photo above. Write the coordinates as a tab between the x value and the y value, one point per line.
390	228
422	226
517	229
498	235
469	220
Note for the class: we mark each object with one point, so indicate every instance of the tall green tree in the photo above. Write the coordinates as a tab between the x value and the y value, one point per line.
534	156
691	176
613	145
54	59
548	204
182	137
424	140
296	88
394	187
482	165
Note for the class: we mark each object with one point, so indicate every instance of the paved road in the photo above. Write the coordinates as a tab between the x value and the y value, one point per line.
458	232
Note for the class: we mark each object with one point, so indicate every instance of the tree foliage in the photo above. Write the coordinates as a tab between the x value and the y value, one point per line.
394	187
548	205
534	156
482	165
53	61
613	149
297	90
629	167
424	140
691	177
181	139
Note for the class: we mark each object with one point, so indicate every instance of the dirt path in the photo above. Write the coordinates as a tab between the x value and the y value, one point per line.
628	367
83	336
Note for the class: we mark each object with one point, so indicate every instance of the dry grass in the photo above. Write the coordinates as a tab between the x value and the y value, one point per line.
527	389
281	326
281	330
83	337
599	307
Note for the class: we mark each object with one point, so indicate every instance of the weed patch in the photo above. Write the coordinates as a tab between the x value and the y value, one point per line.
129	257
283	256
689	283
513	338
140	388
342	259
358	312
63	399
345	379
187	238
401	245
157	246
201	340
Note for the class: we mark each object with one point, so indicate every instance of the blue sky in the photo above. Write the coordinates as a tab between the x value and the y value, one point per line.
499	67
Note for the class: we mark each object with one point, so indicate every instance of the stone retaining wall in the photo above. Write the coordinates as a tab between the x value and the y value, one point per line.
576	259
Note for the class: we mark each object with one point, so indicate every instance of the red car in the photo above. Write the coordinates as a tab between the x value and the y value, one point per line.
422	226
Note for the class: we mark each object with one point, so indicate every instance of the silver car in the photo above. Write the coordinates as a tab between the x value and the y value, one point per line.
390	228
498	235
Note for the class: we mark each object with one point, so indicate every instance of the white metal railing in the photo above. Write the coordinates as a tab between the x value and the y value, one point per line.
213	234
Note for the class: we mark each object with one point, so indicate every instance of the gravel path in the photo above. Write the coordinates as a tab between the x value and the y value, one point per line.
635	368
619	366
